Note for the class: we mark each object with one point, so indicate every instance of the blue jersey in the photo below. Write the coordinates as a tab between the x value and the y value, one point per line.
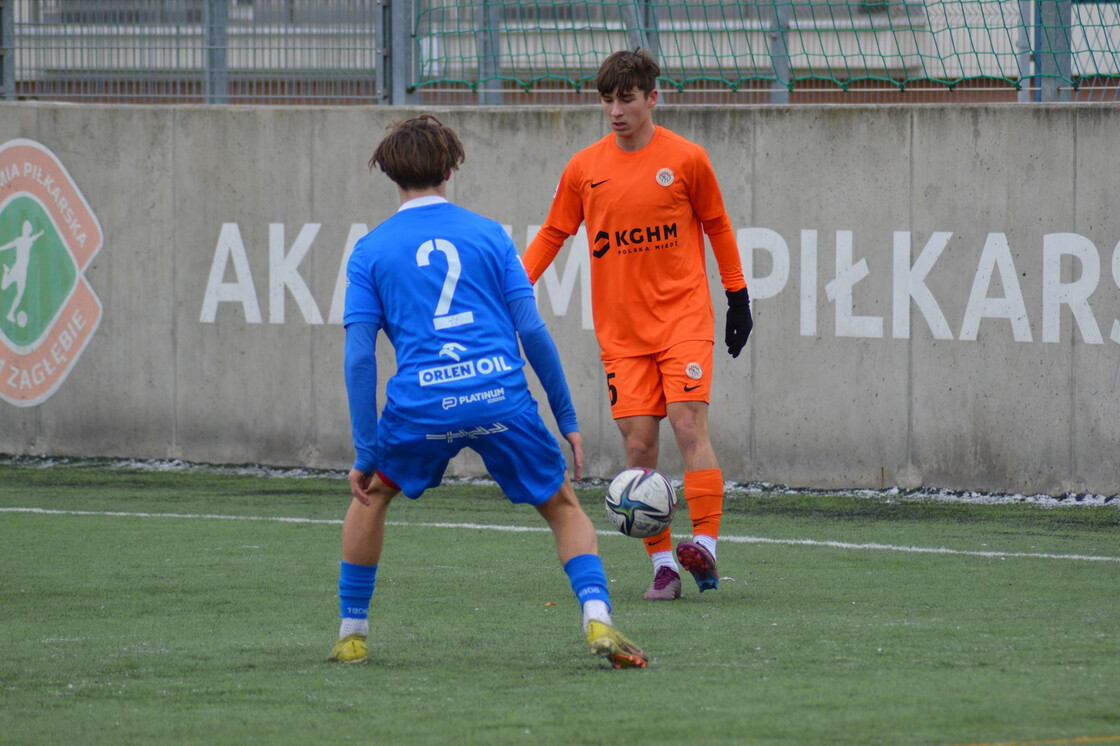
437	278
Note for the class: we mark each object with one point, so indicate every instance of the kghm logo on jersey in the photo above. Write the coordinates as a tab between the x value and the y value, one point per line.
635	240
48	236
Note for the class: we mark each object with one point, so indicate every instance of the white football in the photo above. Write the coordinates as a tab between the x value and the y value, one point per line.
641	502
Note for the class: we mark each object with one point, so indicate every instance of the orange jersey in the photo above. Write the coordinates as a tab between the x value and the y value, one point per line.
646	214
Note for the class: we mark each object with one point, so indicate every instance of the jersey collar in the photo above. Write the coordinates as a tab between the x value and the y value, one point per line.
428	199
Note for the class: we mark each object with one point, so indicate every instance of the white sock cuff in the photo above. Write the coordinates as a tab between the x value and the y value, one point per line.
596	610
664	559
351	626
708	542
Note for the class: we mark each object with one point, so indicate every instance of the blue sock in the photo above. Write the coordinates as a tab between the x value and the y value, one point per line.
588	580
355	589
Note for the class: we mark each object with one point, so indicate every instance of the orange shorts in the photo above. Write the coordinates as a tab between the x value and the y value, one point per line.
642	385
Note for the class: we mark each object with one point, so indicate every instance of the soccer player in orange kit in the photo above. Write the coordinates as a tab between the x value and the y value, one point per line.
649	197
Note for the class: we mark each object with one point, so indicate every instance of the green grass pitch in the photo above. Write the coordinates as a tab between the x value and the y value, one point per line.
140	606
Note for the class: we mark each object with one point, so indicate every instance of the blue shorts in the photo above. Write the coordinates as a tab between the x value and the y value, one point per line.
520	453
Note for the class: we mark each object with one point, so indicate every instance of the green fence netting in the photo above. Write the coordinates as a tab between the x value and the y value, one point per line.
513	51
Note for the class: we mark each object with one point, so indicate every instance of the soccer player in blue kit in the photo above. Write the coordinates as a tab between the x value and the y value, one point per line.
449	291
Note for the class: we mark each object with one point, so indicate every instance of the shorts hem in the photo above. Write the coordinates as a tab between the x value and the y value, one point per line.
637	413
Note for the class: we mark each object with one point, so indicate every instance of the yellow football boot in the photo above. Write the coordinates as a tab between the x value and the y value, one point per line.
350	649
608	642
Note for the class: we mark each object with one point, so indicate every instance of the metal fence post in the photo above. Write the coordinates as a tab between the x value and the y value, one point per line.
7	49
1023	57
394	42
216	23
1052	53
639	20
489	54
651	31
779	52
382	60
632	17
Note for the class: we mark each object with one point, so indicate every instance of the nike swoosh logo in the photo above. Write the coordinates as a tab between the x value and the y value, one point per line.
691	388
599	183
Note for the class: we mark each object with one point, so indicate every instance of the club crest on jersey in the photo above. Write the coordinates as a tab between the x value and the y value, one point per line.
694	371
665	177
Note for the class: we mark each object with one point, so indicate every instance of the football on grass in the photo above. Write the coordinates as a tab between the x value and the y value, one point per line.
641	502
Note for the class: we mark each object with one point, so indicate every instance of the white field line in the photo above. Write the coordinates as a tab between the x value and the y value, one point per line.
544	529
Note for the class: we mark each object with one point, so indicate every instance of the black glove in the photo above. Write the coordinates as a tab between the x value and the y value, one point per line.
739	321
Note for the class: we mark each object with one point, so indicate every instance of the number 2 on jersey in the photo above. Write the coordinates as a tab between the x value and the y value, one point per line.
442	318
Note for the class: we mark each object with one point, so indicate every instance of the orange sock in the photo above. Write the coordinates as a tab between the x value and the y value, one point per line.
703	491
662	542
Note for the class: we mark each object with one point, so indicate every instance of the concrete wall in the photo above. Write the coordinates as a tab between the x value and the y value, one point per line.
936	289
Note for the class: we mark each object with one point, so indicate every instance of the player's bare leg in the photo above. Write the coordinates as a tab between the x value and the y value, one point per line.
573	530
578	548
703	490
641	438
363	529
363	536
689	420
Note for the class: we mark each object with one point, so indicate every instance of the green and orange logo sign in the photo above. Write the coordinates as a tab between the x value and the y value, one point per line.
48	236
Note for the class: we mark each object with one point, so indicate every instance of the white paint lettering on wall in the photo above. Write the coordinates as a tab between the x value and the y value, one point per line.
808	283
230	248
996	292
764	239
1075	294
910	284
996	256
338	300
1115	336
283	273
841	292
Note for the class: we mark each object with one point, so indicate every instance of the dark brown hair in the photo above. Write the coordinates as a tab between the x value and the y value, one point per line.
418	152
624	71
